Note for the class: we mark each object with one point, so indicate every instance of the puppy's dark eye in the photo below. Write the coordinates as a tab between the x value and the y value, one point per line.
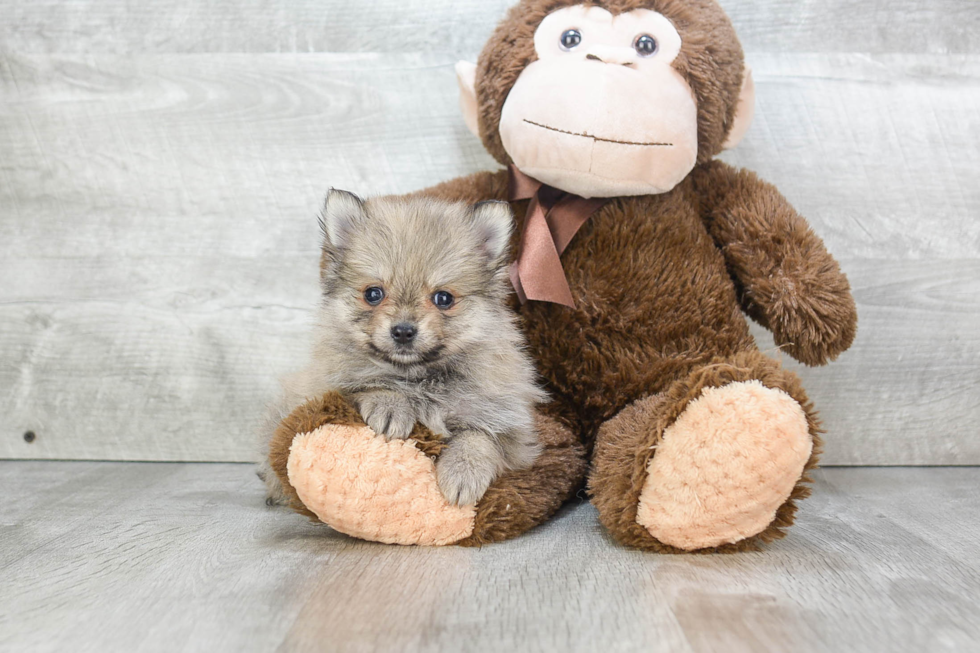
443	299
645	45
374	295
570	39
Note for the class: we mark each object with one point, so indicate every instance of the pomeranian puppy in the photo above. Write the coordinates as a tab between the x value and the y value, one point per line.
413	327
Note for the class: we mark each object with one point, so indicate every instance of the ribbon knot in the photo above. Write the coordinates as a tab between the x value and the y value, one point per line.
553	218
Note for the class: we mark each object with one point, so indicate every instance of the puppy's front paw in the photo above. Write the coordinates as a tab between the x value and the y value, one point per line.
467	467
387	413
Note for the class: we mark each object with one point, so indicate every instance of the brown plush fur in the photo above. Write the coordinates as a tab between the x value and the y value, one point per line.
514	503
787	281
661	281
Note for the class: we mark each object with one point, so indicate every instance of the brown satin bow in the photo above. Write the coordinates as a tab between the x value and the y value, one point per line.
553	218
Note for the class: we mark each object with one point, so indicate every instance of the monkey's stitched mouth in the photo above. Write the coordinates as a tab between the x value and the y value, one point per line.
596	138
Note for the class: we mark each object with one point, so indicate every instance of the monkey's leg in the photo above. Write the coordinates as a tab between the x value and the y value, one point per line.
334	469
716	462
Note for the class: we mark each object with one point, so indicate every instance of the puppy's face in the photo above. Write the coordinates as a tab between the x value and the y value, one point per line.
414	281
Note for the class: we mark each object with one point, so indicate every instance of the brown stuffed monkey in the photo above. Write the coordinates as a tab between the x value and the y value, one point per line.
637	256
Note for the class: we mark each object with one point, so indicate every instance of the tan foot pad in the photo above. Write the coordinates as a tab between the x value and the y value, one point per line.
725	466
363	486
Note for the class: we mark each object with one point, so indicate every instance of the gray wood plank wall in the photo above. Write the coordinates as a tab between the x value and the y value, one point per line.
161	166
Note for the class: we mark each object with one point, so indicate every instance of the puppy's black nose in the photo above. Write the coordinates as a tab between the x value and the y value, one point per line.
403	333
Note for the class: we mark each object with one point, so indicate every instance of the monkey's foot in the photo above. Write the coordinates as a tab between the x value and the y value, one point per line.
378	490
336	470
714	463
724	467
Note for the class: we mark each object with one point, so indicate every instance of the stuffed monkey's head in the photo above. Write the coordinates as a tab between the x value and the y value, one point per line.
602	99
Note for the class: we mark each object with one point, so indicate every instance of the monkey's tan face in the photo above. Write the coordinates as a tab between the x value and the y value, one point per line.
602	112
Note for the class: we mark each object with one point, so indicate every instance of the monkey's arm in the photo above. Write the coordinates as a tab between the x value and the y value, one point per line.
787	280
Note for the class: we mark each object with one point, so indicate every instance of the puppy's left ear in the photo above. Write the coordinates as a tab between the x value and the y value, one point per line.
342	212
494	223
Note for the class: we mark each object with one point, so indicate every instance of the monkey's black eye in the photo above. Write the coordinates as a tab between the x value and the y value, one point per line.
374	295
443	299
570	39
645	45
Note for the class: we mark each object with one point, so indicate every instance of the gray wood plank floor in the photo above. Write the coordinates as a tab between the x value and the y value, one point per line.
185	557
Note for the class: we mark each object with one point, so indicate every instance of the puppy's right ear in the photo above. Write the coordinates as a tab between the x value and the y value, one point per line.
342	212
494	222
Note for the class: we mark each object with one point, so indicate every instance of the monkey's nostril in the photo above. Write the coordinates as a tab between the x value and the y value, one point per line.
403	333
592	57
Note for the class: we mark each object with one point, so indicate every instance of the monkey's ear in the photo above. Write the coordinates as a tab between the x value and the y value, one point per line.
744	112
494	222
466	76
342	211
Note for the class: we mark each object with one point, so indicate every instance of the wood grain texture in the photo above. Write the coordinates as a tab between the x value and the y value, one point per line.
845	26
163	304
457	26
158	243
256	26
880	153
907	391
159	233
167	557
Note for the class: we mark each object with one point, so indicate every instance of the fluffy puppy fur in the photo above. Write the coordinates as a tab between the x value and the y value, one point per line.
414	328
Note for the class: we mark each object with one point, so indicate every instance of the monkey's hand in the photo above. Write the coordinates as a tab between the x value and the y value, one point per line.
807	305
787	280
388	413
